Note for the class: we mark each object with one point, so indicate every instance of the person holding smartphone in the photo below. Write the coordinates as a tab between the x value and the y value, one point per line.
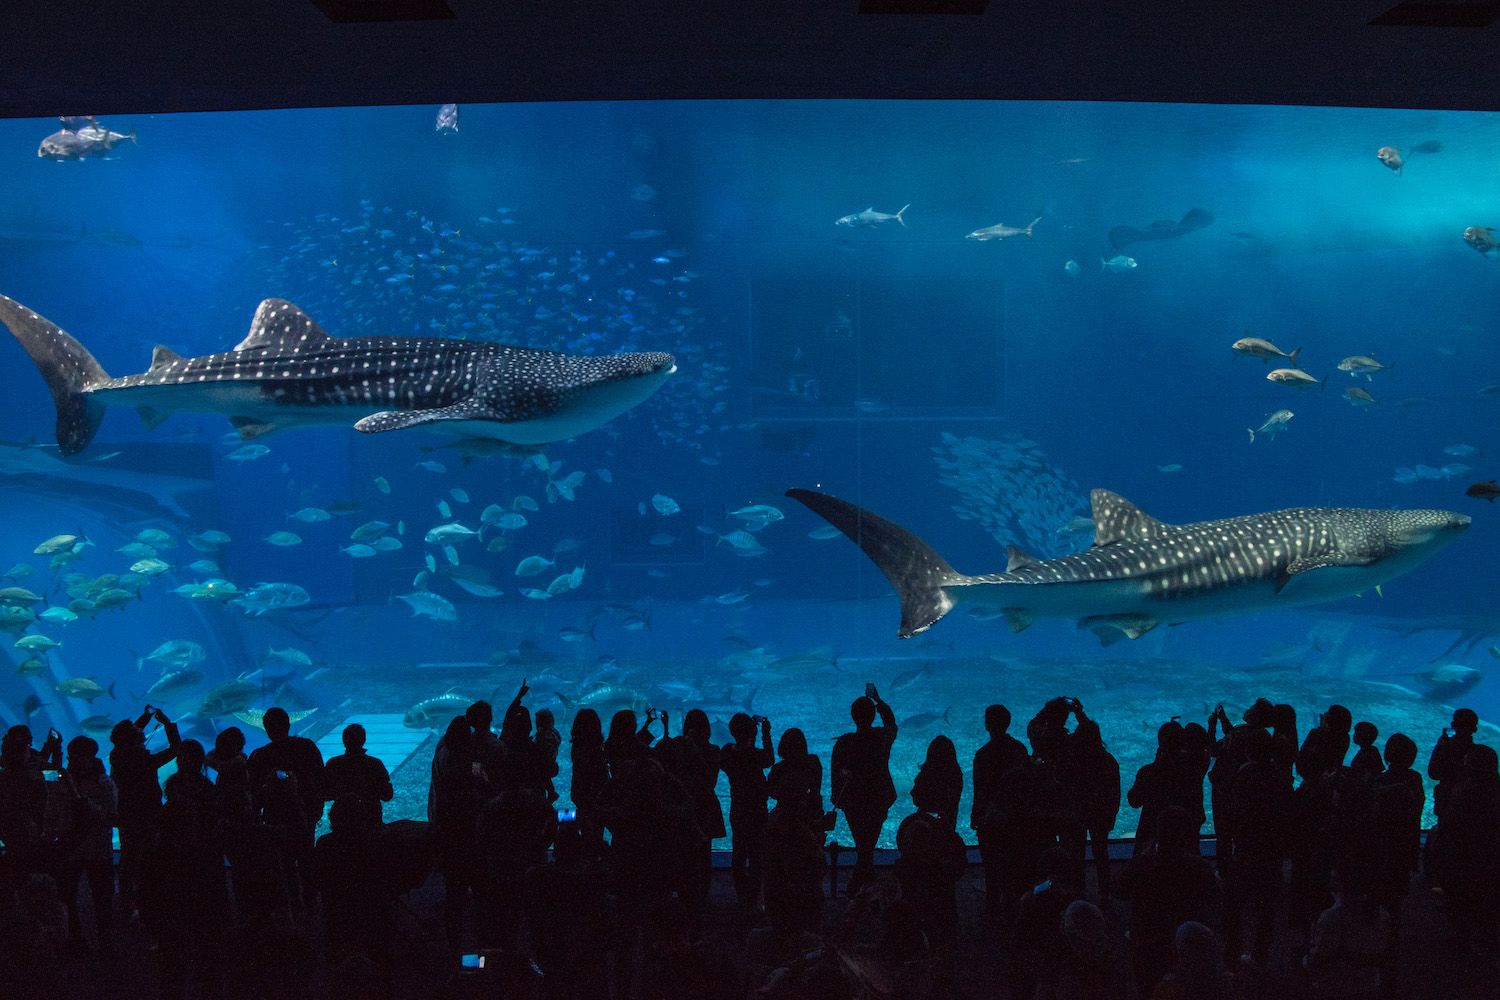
862	785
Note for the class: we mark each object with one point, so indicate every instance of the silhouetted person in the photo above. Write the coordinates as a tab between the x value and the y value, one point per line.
184	899
1005	868
694	760
351	870
511	833
1447	760
1399	801
931	861
1197	971
1229	755
23	803
1347	944
862	785
299	757
1472	868
84	822
1037	937
1366	759
625	744
548	741
1156	783
940	782
745	765
589	773
1094	778
795	861
1167	884
567	914
798	775
355	773
1258	807
460	787
133	769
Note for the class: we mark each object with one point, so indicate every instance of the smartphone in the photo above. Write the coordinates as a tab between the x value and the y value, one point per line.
283	775
869	690
51	775
473	961
567	815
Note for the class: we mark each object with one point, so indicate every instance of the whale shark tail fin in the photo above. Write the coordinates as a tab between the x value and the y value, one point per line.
917	572
68	368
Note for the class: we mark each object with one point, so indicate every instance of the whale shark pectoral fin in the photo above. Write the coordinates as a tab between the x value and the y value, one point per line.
151	417
395	420
1109	628
1019	619
1018	559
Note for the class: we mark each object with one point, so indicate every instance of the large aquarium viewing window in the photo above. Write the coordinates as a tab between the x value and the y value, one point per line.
967	318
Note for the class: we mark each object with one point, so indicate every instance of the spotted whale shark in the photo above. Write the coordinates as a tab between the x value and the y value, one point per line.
1141	572
289	372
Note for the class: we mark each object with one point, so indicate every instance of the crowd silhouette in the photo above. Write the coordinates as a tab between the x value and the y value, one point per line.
218	867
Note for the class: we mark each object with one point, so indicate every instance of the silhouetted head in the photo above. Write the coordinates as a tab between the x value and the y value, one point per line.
1197	953
516	727
1337	719
792	744
1087	734
1055	712
941	754
1465	720
1400	750
862	711
1284	721
354	737
1168	736
1259	745
456	738
587	728
83	757
695	726
190	757
230	742
481	716
15	747
125	735
742	728
622	725
276	722
545	719
1259	715
1194	738
1084	931
996	720
1365	734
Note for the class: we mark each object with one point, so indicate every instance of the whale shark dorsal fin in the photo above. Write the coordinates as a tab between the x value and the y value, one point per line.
280	324
163	357
1018	559
1118	520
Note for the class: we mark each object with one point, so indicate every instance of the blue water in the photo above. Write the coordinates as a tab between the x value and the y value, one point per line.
809	355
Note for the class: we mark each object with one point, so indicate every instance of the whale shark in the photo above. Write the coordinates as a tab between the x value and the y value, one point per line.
289	372
1141	572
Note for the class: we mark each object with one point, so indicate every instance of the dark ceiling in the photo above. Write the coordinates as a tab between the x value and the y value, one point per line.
79	57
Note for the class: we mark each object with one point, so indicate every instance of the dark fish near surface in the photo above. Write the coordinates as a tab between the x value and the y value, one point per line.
1483	491
289	372
1142	572
1481	238
1195	219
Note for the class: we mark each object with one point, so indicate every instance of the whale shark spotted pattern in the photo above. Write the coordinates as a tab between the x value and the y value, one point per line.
288	372
1142	572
